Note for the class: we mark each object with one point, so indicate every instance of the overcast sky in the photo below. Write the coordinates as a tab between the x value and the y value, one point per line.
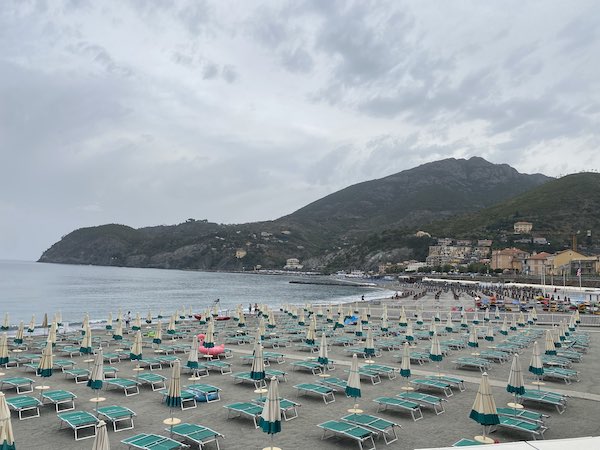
145	112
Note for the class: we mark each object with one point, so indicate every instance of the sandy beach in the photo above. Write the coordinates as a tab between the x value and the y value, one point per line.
579	419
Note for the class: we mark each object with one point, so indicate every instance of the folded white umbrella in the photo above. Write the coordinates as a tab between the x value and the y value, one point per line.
7	438
353	383
323	357
4	349
192	361
550	347
270	418
101	441
484	409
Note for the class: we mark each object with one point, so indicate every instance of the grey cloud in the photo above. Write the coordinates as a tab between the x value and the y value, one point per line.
100	55
229	73
297	60
580	32
210	71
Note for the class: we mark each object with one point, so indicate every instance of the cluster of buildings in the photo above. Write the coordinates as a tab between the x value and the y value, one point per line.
458	252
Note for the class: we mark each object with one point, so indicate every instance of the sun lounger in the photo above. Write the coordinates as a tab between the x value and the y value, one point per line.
313	367
556	361
495	355
425	400
333	382
79	375
418	357
454	381
279	374
286	406
111	357
482	364
150	363
63	364
247	409
313	348
395	402
546	398
566	375
18	383
110	372
433	384
378	425
24	403
523	414
536	429
70	350
116	415
381	369
221	366
325	392
205	392
155	380
77	421
62	400
130	387
359	434
569	354
279	358
197	434
145	441
165	359
244	377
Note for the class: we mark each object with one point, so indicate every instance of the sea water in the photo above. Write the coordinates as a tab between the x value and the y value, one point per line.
28	288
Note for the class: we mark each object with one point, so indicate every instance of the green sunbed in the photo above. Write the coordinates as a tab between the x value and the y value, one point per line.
62	400
145	441
79	375
547	398
378	425
523	414
454	381
130	387
286	406
188	399
241	377
566	375
536	429
425	400
333	382
381	369
197	434
155	380
399	403
223	367
18	382
117	414
24	403
205	391
435	384
338	428
77	421
325	392
245	409
314	367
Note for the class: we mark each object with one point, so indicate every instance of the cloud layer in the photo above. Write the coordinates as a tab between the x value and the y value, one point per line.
152	112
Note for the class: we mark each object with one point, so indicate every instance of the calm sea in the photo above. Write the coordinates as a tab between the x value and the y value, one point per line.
28	288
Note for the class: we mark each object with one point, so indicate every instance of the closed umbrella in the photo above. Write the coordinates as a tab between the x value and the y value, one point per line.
536	366
18	339
136	349
489	336
339	323
45	321
137	322
486	315
101	441
409	335
149	318
272	324
577	317
310	335
473	338
419	317
369	349
109	322
504	327
301	321
261	328
171	326
192	361
258	363
96	378
550	347
521	320
173	398
513	323
432	328
496	313
270	418
364	317
84	324
556	334
6	325
435	352
157	339
449	325
463	321
86	342
475	318
242	320
209	340
4	349
384	319
329	318
402	321
484	409
118	333
353	384
516	384
405	365
190	312
52	334
46	362
359	328
323	357
58	318
320	311
31	327
530	317
7	438
437	317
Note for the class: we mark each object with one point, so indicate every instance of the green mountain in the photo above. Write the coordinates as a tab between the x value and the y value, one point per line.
361	225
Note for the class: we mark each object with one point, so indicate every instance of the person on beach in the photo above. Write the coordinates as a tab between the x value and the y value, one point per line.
249	308
255	308
127	319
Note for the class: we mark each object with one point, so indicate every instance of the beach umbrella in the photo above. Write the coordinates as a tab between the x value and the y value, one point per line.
490	334
258	363
18	339
353	384
209	339
504	327
550	347
323	358
157	339
204	317
96	378
521	320
516	384
463	321
171	326
408	334
384	324
173	398
340	309
272	324
118	333
329	318
369	349
419	317
190	312
180	313
31	327
513	323
320	311
52	334
261	328
530	317
368	311
270	418
84	324
435	351
364	317
556	334
536	366
192	361
405	364
359	328
339	323
109	322
449	325
149	318
572	323
86	342
484	409
160	315
437	317
215	310
486	315
137	322
4	349
241	320
46	362
7	438
562	333
403	320
6	325
473	338
58	318
310	335
496	313
45	321
136	349
301	320
577	317
238	311
475	318
101	441
432	328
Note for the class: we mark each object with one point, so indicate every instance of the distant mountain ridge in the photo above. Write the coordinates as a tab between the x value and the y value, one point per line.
319	234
